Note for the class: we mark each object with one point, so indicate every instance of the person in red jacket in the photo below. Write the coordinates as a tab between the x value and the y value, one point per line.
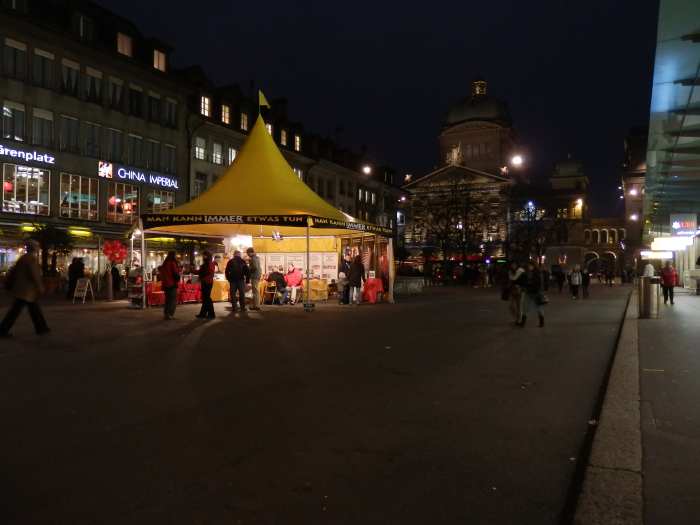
206	282
669	279
169	273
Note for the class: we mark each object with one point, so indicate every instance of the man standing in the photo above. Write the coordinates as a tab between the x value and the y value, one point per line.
25	285
669	279
237	274
206	282
255	275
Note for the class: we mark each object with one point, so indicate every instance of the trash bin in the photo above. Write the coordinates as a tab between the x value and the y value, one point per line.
649	297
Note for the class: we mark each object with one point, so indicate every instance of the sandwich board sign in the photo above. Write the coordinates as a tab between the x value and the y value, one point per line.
82	288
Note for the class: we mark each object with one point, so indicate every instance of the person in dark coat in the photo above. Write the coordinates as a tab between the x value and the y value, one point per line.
585	282
277	277
355	279
169	273
343	279
76	270
237	274
116	281
206	282
533	293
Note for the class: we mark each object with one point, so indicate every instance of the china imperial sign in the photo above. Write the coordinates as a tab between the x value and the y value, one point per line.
28	156
684	223
108	170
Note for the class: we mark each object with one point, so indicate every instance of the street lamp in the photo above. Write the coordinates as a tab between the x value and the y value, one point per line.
366	169
517	161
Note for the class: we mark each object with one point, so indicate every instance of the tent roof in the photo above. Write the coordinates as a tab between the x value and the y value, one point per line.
259	193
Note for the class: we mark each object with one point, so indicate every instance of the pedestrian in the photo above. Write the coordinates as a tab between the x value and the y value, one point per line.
516	279
25	285
560	279
427	272
355	279
237	274
255	275
206	282
169	273
649	270
669	279
610	276
545	279
343	273
76	270
585	282
534	296
116	281
575	280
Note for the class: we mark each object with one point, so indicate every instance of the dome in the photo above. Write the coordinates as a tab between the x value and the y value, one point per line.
479	106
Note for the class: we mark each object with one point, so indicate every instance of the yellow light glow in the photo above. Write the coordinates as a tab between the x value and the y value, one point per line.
80	232
28	228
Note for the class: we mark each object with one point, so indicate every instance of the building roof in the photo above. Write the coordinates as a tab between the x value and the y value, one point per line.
479	106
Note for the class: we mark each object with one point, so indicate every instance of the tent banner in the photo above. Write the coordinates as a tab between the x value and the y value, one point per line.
170	219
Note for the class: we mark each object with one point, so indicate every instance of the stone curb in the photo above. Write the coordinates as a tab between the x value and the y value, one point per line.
612	487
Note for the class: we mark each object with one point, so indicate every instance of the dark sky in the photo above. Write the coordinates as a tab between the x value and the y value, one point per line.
576	75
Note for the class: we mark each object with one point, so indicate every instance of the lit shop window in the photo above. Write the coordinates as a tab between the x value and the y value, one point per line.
124	45
157	201
205	106
79	197
283	137
244	121
122	203
268	127
217	153
159	60
25	190
13	121
225	114
200	148
297	143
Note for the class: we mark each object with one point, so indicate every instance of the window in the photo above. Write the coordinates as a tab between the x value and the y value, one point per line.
366	195
69	77
18	5
42	127
78	197
587	236
169	159
200	148
15	58
200	184
116	93
374	198
298	173
603	236
205	106
42	68
283	137
217	153
157	201
83	27
170	113
623	234
122	203
359	194
152	156
93	85
159	60
297	142
13	123
244	121
225	114
124	45
134	150
400	218
268	127
135	100
92	139
25	190
153	107
613	236
231	154
114	144
69	134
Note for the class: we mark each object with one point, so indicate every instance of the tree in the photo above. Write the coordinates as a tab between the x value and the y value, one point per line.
50	237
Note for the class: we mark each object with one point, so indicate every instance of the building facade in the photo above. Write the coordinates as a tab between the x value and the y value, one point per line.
92	127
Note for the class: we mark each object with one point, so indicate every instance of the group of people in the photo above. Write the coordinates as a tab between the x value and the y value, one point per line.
525	291
351	277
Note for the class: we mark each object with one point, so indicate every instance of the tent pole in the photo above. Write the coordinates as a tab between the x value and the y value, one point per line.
308	289
392	270
143	265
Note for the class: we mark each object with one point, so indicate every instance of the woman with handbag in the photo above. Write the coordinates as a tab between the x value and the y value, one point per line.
534	296
169	273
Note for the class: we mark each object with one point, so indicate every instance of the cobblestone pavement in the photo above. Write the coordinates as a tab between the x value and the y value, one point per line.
435	410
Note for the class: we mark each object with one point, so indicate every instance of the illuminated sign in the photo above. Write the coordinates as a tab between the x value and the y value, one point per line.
108	170
651	254
684	223
29	156
671	243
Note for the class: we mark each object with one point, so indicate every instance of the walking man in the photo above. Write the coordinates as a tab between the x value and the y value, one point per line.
255	275
237	274
25	285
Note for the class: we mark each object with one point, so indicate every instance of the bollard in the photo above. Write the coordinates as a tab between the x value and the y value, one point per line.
649	297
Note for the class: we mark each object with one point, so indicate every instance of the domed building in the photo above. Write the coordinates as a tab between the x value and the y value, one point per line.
460	209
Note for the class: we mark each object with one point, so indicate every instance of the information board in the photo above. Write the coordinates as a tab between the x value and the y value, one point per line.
82	288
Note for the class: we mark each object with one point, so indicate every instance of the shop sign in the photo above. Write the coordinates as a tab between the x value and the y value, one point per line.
109	170
684	223
28	156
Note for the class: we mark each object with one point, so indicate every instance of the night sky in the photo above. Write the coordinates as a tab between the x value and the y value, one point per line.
576	75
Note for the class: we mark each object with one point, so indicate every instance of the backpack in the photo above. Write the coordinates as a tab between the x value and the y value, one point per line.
10	278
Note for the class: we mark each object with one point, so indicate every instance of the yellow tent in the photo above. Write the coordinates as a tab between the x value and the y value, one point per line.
261	196
258	195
